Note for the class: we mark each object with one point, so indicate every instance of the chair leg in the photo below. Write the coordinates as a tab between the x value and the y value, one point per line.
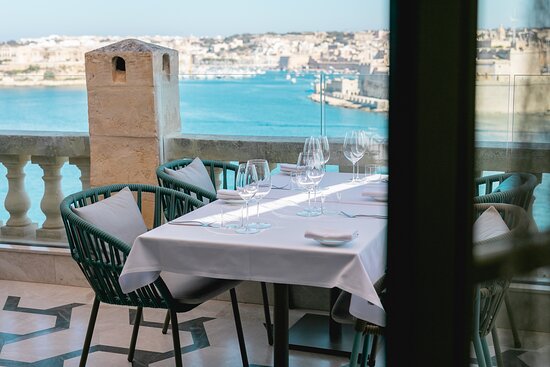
517	340
89	333
479	351
372	356
486	352
135	334
166	322
365	352
496	343
268	324
238	325
355	349
176	338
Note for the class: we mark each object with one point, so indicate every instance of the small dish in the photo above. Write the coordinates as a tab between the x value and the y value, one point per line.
334	242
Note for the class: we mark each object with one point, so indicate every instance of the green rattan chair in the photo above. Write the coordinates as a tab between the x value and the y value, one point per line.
490	295
227	174
520	195
363	329
101	258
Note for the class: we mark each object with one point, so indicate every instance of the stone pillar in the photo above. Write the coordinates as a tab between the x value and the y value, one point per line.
52	228
133	102
17	200
83	164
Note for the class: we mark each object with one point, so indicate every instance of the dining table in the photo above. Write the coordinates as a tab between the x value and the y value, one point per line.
204	243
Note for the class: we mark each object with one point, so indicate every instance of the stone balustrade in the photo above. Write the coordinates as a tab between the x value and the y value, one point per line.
51	150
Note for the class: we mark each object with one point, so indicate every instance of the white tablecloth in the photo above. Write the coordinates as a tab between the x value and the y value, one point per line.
279	254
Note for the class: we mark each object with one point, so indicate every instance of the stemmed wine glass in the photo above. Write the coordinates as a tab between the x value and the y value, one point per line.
355	145
305	182
264	187
323	140
247	187
315	161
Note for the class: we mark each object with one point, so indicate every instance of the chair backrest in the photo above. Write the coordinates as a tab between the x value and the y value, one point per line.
490	294
226	171
101	256
520	195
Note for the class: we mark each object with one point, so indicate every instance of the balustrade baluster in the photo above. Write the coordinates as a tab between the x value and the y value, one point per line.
52	228
83	164
17	201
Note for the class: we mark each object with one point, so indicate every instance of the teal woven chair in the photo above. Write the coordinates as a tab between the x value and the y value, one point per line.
489	295
363	329
227	173
101	257
518	193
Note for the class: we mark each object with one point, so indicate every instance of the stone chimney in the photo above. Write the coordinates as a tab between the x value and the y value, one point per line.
133	102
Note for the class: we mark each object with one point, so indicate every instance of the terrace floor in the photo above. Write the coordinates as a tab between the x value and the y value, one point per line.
44	325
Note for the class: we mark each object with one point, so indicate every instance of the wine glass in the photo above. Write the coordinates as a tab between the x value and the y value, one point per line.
323	140
247	186
313	153
305	182
354	145
264	187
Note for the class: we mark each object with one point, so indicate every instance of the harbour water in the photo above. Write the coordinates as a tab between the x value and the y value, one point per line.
266	104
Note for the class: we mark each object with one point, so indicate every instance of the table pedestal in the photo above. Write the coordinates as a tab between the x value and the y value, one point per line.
311	334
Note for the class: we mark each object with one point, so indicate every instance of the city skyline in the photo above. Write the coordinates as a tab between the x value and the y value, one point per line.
223	18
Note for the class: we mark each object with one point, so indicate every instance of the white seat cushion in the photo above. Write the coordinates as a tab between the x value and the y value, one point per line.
489	225
194	290
118	215
194	173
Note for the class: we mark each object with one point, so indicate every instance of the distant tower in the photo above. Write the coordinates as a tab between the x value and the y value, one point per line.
501	33
514	20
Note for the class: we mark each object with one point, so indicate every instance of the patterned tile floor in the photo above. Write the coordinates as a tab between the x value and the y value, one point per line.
44	326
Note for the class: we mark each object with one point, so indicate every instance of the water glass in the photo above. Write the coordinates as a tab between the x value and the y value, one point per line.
371	170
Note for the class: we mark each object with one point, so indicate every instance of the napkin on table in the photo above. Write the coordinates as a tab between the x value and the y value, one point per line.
376	178
228	194
330	234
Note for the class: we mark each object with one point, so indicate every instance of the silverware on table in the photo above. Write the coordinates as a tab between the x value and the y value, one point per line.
378	216
194	223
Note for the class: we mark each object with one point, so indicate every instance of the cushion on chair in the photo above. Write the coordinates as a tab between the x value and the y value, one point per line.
340	311
194	290
194	173
118	215
489	224
509	183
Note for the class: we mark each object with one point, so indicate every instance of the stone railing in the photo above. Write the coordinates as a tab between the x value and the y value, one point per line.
52	150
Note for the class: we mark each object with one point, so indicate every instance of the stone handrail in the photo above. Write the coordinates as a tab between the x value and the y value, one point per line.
50	150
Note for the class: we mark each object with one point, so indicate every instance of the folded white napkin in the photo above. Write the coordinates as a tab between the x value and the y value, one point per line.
288	167
330	234
377	178
228	194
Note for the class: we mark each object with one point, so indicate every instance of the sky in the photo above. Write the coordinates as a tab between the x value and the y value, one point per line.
37	18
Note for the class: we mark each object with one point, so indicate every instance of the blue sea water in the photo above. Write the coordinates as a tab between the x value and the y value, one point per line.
267	104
